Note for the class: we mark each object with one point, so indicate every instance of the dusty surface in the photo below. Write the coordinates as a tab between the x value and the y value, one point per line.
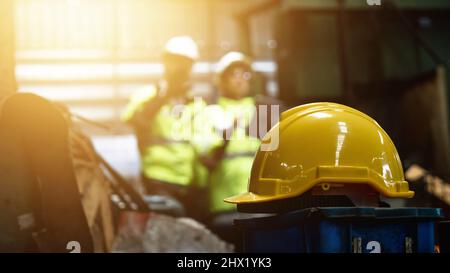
161	233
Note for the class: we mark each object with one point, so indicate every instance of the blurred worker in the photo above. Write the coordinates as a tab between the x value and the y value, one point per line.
168	163
231	160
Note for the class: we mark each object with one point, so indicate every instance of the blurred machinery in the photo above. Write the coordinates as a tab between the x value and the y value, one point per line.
59	195
56	190
40	200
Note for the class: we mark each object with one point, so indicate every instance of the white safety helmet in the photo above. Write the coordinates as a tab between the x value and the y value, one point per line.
231	58
183	46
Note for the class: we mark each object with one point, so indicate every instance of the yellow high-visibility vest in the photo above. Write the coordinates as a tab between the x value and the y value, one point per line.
167	154
232	174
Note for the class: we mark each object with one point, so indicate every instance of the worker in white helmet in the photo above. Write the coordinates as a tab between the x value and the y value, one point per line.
169	165
230	161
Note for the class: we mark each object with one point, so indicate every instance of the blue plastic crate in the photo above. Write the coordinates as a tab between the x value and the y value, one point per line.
342	230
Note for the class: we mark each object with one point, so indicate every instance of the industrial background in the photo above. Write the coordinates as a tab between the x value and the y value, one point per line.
92	54
389	60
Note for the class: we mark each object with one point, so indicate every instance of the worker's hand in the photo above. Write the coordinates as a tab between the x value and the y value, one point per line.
151	108
209	162
212	160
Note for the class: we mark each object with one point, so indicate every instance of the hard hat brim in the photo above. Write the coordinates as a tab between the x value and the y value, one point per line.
249	198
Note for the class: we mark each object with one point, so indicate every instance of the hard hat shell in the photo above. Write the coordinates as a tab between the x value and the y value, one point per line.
230	59
183	46
324	143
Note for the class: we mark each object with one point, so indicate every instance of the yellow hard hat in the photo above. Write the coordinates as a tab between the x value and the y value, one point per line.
324	143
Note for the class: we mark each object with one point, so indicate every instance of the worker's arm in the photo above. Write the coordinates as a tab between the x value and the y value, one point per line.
144	115
212	160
